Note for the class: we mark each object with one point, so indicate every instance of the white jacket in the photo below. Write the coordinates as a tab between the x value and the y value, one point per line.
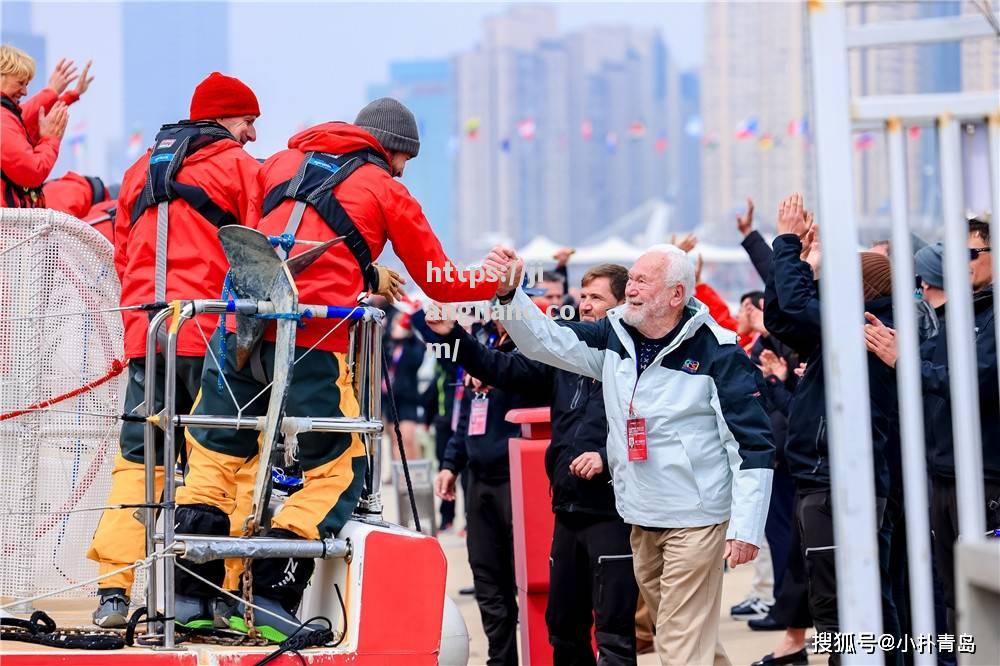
709	442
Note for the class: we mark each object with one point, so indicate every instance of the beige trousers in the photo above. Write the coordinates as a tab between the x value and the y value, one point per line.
679	571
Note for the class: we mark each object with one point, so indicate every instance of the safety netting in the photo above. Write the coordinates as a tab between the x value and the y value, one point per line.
61	389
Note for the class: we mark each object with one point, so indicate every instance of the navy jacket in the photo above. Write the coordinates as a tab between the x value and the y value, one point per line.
937	396
792	314
578	421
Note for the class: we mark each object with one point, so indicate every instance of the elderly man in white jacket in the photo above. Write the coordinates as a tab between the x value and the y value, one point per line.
689	442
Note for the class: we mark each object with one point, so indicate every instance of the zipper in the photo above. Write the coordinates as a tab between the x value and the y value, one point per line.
820	432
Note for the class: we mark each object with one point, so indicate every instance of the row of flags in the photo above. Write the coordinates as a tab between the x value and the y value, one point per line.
527	129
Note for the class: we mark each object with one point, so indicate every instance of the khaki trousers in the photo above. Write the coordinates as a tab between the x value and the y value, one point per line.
679	571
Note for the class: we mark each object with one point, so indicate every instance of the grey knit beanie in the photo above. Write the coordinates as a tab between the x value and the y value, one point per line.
392	124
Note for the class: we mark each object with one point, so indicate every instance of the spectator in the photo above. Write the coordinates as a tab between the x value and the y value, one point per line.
689	444
754	243
102	218
792	313
930	276
937	403
31	132
480	443
406	355
590	541
74	194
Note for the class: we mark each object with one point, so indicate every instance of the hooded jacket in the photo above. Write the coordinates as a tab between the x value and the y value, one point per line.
792	314
196	264
578	421
26	159
74	194
937	392
709	444
383	211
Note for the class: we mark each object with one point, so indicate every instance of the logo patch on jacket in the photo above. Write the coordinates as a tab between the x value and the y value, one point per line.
690	366
166	143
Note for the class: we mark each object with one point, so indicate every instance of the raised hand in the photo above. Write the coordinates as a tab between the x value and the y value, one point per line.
686	243
562	255
791	216
880	340
54	122
63	75
83	83
745	222
443	325
772	364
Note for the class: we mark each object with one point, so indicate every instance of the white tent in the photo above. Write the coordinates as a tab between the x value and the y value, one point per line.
614	249
539	250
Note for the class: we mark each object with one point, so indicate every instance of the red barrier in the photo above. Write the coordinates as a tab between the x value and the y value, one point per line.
533	523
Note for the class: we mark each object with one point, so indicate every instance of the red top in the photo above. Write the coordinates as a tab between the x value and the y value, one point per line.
26	158
382	209
70	194
100	211
196	265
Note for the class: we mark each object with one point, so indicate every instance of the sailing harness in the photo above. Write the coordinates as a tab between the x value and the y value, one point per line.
313	185
14	195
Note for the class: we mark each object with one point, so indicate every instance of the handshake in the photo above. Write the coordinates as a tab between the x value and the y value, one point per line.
504	262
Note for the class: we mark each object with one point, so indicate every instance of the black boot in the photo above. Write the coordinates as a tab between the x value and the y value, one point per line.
278	586
206	520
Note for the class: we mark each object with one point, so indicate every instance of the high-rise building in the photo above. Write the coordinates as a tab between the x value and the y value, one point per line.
167	48
426	88
754	112
558	135
16	30
688	214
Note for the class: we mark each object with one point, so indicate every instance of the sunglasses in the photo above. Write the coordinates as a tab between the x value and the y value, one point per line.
974	252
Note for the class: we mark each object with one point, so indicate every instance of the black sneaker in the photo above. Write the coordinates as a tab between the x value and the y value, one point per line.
750	608
766	623
112	609
223	608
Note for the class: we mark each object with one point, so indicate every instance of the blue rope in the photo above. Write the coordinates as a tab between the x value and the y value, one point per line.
295	316
227	290
284	241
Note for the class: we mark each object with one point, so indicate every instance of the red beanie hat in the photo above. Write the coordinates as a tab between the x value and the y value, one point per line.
221	96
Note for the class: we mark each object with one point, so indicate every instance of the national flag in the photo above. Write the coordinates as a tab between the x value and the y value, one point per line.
471	127
747	128
526	129
586	130
864	141
77	139
765	142
636	129
913	132
505	145
661	144
710	141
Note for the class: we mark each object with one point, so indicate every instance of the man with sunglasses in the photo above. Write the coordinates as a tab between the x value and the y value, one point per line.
937	409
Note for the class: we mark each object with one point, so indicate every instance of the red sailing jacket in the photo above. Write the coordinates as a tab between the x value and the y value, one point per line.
102	217
196	265
25	158
382	210
72	194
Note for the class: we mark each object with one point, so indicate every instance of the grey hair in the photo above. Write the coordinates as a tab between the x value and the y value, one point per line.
679	268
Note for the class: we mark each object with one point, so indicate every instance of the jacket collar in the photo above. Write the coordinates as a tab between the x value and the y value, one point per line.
698	317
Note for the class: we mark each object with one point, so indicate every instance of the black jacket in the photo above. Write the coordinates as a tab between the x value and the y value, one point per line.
937	396
760	253
486	455
579	423
792	314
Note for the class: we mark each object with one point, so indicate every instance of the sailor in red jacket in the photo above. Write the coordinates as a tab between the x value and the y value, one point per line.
30	133
214	183
365	203
101	217
74	194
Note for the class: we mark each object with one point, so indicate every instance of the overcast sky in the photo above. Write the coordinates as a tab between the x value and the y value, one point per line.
310	62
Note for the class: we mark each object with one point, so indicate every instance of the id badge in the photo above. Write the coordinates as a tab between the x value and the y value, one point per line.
477	415
635	431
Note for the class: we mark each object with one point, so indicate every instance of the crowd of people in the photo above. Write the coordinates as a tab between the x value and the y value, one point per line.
685	438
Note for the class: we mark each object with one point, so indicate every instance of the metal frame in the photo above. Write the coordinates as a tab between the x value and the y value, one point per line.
201	548
847	388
